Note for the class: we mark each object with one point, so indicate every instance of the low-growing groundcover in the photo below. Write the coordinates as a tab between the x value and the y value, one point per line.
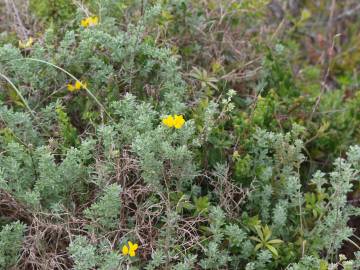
179	134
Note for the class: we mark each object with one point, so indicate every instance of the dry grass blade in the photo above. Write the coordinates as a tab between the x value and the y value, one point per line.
19	94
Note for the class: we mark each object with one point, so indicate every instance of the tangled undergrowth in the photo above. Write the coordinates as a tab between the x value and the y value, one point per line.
179	134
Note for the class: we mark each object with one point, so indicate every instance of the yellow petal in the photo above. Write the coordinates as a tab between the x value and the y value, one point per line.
70	87
21	44
85	22
132	253
125	250
179	121
77	85
29	42
135	247
94	20
168	121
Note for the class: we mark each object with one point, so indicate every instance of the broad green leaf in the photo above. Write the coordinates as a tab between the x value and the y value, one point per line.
272	249
275	241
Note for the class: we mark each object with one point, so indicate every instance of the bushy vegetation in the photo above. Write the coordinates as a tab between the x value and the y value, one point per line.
179	134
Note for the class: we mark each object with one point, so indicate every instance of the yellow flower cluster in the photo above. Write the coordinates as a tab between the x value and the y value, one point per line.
77	86
129	249
176	121
27	44
89	21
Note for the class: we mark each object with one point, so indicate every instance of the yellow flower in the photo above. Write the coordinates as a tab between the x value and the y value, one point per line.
70	87
168	121
77	86
179	121
93	21
176	121
84	22
130	249
27	44
89	21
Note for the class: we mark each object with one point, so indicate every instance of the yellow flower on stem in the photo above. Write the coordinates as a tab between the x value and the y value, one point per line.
176	121
130	249
89	21
77	86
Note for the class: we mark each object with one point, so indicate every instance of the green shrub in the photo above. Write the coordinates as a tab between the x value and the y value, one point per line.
261	175
11	240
